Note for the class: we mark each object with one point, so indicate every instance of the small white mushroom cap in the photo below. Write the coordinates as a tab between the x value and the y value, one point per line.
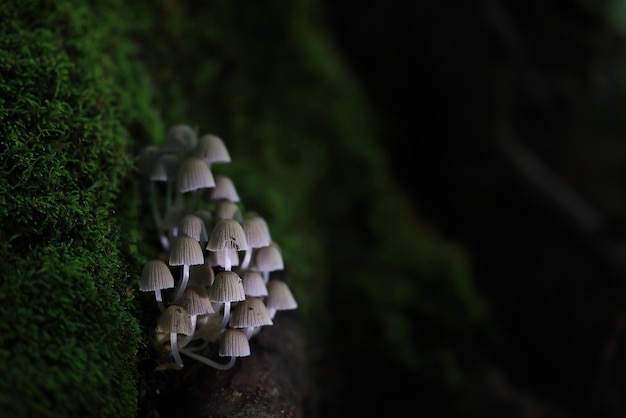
250	312
257	232
268	258
234	343
228	210
196	301
211	149
194	174
186	251
191	225
156	275
279	296
224	189
253	283
227	234
175	319
227	287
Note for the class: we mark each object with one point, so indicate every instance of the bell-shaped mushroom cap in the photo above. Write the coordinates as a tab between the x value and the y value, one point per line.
180	138
250	313
194	174
234	343
175	319
191	225
227	287
257	232
279	297
211	149
228	210
186	251
165	167
218	258
227	234
268	258
253	283
146	160
196	301
156	275
201	275
224	189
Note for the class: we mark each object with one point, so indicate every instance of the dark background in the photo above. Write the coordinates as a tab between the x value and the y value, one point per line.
504	121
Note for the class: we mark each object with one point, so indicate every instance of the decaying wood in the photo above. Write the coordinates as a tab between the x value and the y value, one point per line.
268	383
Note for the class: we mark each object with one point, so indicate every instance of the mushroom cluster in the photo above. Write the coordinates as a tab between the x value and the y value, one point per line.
212	283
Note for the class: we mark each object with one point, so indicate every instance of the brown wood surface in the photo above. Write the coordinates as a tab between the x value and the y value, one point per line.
268	383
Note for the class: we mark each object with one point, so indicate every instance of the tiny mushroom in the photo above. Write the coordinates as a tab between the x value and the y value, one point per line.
224	189
257	234
268	259
253	283
228	210
175	320
227	234
192	225
249	314
185	252
193	176
279	297
226	288
211	149
156	276
234	343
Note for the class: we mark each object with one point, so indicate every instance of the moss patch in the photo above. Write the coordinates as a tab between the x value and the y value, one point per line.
68	97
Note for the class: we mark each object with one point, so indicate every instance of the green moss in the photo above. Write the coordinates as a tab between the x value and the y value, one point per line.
69	96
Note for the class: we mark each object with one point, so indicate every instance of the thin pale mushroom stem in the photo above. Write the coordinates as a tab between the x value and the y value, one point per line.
271	312
228	264
165	242
175	349
208	361
226	316
159	299
194	321
183	282
246	258
266	276
249	331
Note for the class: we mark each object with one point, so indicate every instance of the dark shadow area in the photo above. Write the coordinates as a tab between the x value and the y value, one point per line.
505	122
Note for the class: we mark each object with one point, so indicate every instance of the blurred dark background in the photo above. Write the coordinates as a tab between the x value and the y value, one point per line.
504	121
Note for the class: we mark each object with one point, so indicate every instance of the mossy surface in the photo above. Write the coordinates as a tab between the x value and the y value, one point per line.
69	94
